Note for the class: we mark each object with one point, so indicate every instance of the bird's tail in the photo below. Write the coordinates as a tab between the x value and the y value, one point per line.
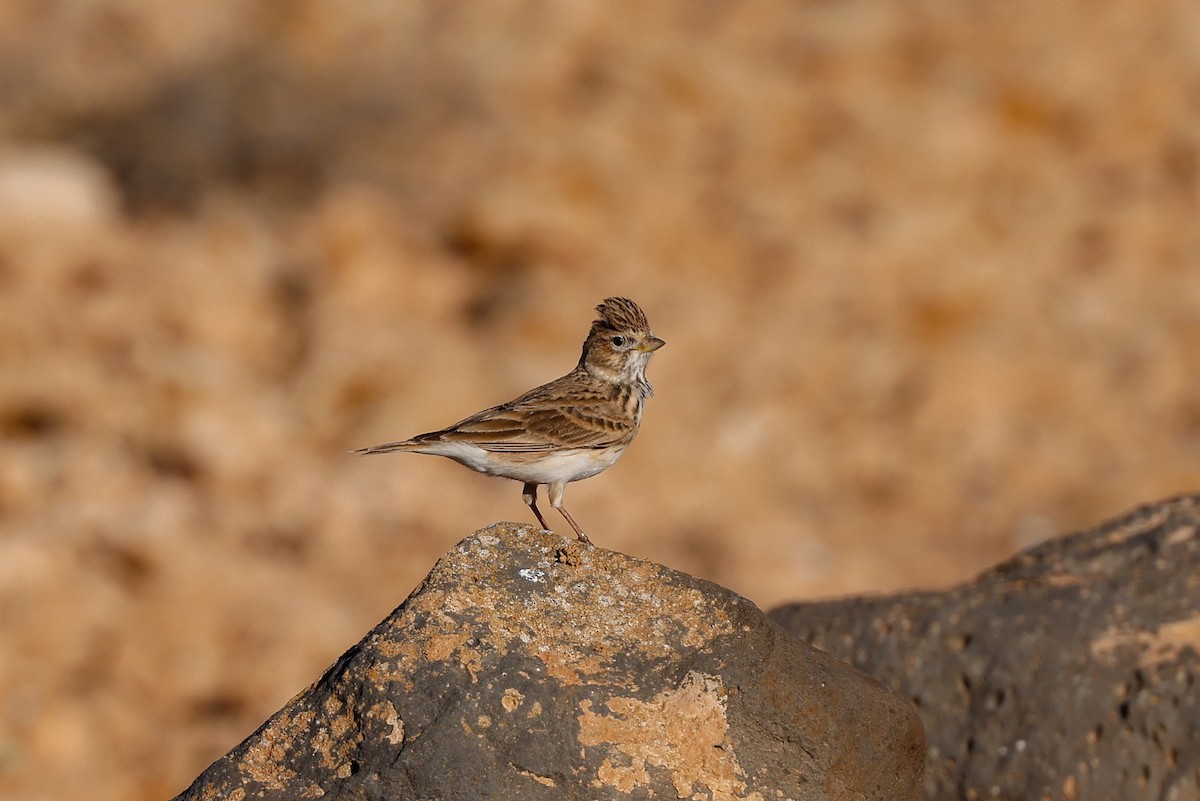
390	447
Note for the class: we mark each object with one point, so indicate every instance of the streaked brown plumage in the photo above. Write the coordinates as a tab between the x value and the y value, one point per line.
567	430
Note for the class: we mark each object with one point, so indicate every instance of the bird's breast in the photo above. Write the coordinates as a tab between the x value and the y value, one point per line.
543	467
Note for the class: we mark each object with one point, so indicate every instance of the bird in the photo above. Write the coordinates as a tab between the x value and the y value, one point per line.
569	429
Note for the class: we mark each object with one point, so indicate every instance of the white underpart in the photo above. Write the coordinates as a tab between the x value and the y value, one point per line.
547	468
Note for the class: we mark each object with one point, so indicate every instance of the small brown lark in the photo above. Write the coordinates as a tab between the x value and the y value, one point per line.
570	429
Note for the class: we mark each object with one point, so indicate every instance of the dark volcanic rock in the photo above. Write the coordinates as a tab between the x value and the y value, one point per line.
530	667
1068	672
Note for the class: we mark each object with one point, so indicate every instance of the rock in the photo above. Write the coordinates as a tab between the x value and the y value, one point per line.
526	666
51	190
1067	672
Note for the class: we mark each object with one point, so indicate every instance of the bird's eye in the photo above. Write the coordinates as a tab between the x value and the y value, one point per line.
618	341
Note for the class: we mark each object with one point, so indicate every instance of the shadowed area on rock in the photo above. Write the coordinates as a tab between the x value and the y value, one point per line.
1066	672
526	666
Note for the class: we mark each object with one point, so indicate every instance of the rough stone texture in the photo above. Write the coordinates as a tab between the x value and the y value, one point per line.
1067	672
527	666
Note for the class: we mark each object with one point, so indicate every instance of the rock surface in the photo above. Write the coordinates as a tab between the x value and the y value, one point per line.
526	666
1067	672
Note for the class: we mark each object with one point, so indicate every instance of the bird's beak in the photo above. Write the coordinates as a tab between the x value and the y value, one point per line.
652	344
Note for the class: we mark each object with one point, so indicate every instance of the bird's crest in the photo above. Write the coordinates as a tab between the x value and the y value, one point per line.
621	314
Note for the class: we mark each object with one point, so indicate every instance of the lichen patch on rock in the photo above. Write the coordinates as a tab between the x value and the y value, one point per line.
680	731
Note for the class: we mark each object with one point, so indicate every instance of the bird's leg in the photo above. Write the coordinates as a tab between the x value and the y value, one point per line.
578	531
555	491
530	496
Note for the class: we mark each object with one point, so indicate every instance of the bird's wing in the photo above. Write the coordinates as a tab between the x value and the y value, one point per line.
542	421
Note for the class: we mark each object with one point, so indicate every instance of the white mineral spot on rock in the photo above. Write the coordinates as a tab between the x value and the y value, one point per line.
530	574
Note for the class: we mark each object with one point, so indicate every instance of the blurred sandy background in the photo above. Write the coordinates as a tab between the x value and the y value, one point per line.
929	274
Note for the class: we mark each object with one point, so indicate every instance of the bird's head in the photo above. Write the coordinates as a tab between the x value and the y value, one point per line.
620	343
